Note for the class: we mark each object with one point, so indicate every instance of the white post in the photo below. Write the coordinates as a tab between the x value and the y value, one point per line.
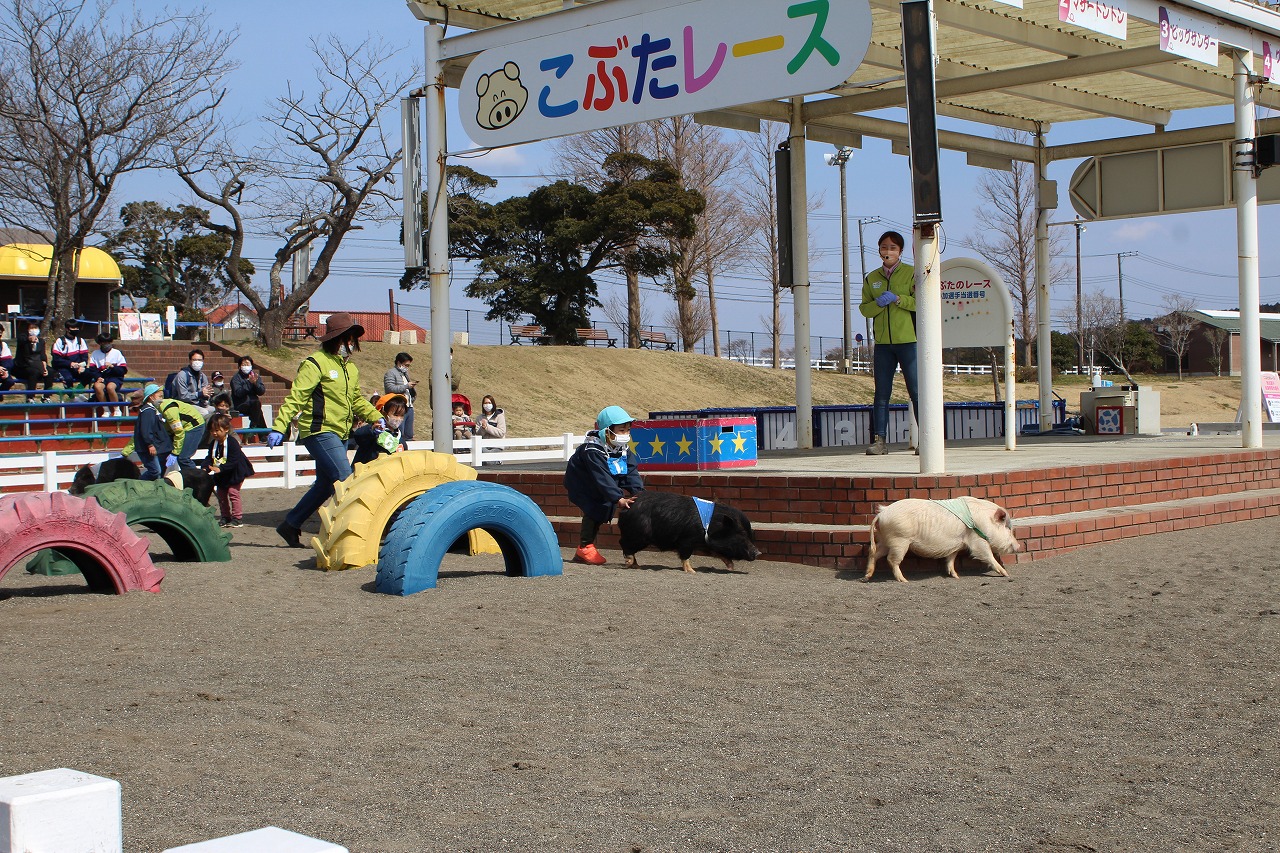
1044	319
476	458
568	446
49	470
1246	191
931	417
438	244
1010	404
800	277
290	465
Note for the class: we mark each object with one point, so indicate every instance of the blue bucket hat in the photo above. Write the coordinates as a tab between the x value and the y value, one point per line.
612	416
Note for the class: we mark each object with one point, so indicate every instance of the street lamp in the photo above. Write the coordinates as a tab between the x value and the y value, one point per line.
841	158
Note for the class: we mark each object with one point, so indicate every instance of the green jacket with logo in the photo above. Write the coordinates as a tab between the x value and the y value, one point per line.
325	397
894	323
178	416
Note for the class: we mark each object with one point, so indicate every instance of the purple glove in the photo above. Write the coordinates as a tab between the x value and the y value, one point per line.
886	298
275	439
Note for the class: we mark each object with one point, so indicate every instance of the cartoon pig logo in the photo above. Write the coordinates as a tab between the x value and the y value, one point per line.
502	97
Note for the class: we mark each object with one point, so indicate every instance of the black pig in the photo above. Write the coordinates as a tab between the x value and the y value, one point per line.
199	481
671	523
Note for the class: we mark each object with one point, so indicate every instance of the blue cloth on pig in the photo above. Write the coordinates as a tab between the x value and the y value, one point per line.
959	507
705	508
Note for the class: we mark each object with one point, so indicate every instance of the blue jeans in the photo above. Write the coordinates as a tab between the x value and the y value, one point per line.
887	359
330	455
190	443
152	467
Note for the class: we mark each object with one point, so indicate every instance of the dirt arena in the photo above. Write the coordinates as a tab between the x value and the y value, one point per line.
1119	698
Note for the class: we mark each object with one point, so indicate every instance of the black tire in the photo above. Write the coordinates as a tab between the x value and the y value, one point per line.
409	560
189	529
111	557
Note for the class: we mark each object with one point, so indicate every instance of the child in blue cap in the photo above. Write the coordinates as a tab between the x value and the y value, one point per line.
151	440
601	476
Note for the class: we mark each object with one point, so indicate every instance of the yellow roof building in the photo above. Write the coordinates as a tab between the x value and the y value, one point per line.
30	261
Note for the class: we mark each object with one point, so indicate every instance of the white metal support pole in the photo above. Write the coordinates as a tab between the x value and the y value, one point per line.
438	245
846	352
1246	191
1010	389
1044	340
800	278
931	417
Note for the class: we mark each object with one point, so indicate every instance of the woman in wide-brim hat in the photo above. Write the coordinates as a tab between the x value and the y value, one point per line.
326	400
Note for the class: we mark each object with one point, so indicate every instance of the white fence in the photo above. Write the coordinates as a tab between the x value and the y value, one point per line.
288	466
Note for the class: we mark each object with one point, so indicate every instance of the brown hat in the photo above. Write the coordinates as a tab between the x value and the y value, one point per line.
339	324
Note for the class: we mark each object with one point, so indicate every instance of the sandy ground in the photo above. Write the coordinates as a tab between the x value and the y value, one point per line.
1119	698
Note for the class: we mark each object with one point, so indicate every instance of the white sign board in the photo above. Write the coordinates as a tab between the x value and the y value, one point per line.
688	58
1185	34
977	310
1271	395
1111	18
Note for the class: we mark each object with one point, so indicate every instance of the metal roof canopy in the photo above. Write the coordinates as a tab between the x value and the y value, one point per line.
997	65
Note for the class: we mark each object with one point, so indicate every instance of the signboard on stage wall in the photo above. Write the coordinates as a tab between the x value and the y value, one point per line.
686	58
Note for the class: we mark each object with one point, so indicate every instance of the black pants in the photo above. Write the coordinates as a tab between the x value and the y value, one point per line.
252	409
590	527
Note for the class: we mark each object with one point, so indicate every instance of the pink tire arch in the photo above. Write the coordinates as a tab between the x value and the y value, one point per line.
111	556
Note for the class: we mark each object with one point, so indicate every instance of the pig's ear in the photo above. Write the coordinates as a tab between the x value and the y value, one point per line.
1001	515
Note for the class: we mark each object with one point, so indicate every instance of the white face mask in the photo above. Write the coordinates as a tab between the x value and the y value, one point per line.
218	384
619	439
345	350
488	407
246	369
394	424
197	365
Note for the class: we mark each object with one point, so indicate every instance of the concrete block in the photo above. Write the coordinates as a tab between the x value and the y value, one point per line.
271	839
461	338
409	337
390	337
61	811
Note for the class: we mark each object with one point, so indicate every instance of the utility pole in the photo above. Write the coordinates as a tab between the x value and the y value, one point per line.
862	264
1120	256
841	158
1079	309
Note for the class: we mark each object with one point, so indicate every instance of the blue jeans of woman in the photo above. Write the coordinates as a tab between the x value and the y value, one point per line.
887	358
330	455
190	443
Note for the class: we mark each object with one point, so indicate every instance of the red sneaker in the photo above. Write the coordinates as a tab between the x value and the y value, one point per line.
589	554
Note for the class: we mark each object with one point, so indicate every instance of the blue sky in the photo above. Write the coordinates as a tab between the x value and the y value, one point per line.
1192	254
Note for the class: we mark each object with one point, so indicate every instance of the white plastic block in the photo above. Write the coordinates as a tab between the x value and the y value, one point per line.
60	811
390	337
409	337
272	839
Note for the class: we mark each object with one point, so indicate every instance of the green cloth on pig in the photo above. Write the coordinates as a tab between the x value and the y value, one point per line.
960	509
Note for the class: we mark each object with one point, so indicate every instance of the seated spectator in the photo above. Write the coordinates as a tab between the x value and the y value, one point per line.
191	385
374	440
30	365
109	369
491	423
463	426
397	381
6	364
246	391
217	385
71	358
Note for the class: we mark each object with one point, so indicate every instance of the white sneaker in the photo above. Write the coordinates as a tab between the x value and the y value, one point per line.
118	413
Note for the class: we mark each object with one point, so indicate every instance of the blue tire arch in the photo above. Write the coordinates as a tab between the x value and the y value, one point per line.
409	559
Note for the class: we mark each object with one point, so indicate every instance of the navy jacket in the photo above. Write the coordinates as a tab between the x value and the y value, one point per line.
235	470
365	439
591	487
150	431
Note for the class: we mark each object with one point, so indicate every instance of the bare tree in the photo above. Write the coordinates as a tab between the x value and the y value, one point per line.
1217	337
582	157
327	170
691	321
1006	237
86	96
1174	329
617	311
1107	328
760	198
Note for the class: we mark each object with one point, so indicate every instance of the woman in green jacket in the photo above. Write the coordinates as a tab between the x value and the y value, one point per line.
889	299
326	399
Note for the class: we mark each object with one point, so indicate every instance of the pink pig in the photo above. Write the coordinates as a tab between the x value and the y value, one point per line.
941	529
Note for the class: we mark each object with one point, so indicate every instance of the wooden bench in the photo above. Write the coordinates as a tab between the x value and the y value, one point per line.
527	333
595	336
648	339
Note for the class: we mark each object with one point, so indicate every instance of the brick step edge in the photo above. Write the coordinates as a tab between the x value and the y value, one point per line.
845	546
